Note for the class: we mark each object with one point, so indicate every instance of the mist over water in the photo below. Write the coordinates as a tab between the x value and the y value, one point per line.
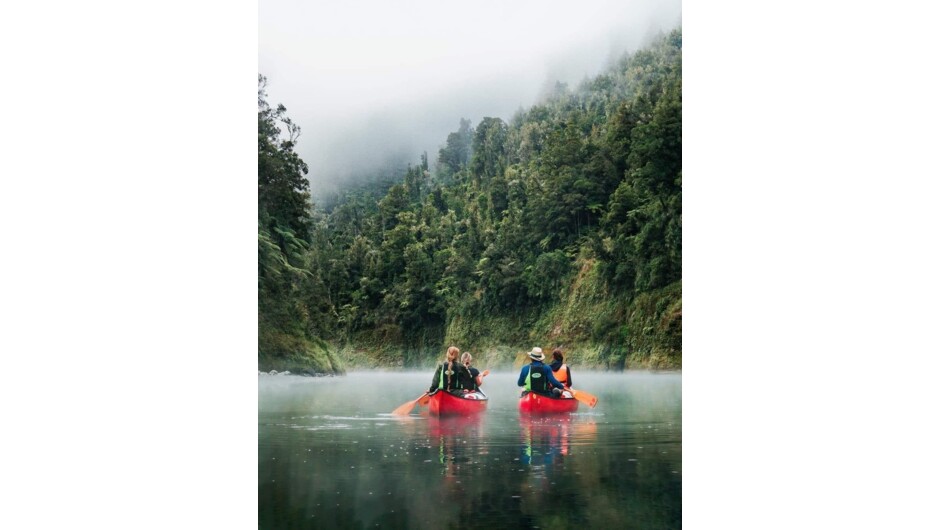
331	455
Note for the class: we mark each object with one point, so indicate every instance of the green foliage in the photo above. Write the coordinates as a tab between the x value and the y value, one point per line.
455	155
283	190
561	227
296	354
488	147
293	303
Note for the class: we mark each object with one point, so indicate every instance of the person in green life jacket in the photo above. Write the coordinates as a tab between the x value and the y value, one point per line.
537	377
451	375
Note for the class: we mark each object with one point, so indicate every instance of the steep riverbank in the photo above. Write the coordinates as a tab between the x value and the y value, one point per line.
594	329
559	228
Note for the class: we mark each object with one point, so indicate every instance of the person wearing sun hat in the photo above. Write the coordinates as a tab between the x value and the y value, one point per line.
537	377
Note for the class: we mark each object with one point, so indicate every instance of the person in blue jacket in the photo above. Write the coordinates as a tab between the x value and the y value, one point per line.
537	377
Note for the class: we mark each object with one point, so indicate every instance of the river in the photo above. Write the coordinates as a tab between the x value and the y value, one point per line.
330	455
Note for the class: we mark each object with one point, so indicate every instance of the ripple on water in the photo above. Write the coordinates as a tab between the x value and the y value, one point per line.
329	427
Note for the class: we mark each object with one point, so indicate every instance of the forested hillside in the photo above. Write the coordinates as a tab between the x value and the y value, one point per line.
562	227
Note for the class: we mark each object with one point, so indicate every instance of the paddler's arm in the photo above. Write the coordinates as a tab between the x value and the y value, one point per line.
436	382
551	378
475	376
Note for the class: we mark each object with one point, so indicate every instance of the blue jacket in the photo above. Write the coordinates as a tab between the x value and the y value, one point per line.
546	372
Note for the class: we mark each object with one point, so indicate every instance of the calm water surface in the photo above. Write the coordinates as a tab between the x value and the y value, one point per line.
330	455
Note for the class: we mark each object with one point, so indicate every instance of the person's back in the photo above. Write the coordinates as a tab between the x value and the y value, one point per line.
450	375
466	381
475	380
560	370
537	377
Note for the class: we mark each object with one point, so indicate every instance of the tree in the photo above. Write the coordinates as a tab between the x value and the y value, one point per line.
488	156
294	305
283	190
579	194
456	153
655	158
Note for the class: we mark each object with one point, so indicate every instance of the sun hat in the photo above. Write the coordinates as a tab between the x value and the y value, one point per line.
537	354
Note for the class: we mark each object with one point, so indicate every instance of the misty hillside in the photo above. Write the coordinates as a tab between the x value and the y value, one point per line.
562	227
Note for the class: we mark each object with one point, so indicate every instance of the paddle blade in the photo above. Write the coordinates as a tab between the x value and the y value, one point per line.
423	400
584	397
405	408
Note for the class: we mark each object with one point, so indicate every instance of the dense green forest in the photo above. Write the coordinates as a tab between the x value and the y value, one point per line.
562	227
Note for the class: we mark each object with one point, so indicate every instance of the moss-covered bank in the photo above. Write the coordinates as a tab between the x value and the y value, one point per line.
280	351
596	329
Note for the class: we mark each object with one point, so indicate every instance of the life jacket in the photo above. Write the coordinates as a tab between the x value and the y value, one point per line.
472	382
561	374
453	381
535	380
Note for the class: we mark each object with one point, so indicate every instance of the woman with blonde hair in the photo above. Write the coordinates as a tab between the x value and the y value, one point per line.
476	377
451	375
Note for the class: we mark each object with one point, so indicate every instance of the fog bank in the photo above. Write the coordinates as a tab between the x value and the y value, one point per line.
370	82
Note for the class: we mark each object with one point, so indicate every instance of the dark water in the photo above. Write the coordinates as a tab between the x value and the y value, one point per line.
331	456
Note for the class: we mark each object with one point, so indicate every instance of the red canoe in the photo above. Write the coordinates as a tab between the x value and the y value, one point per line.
446	404
533	403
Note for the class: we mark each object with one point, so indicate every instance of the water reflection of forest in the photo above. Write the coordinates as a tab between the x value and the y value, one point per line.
617	467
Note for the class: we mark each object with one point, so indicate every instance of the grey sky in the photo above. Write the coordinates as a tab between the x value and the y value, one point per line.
367	80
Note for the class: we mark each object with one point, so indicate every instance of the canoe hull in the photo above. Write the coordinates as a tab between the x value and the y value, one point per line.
536	404
446	404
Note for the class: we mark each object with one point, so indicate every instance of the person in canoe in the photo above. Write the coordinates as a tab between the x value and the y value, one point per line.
476	378
451	375
537	377
560	370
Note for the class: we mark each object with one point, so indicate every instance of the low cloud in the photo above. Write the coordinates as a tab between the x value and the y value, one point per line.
369	84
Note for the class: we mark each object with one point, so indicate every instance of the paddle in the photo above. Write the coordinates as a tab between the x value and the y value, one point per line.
405	408
584	397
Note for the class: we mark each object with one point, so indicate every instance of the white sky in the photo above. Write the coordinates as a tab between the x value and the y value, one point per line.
368	79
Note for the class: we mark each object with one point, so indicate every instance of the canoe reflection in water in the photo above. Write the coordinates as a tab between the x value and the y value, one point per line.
460	445
547	439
